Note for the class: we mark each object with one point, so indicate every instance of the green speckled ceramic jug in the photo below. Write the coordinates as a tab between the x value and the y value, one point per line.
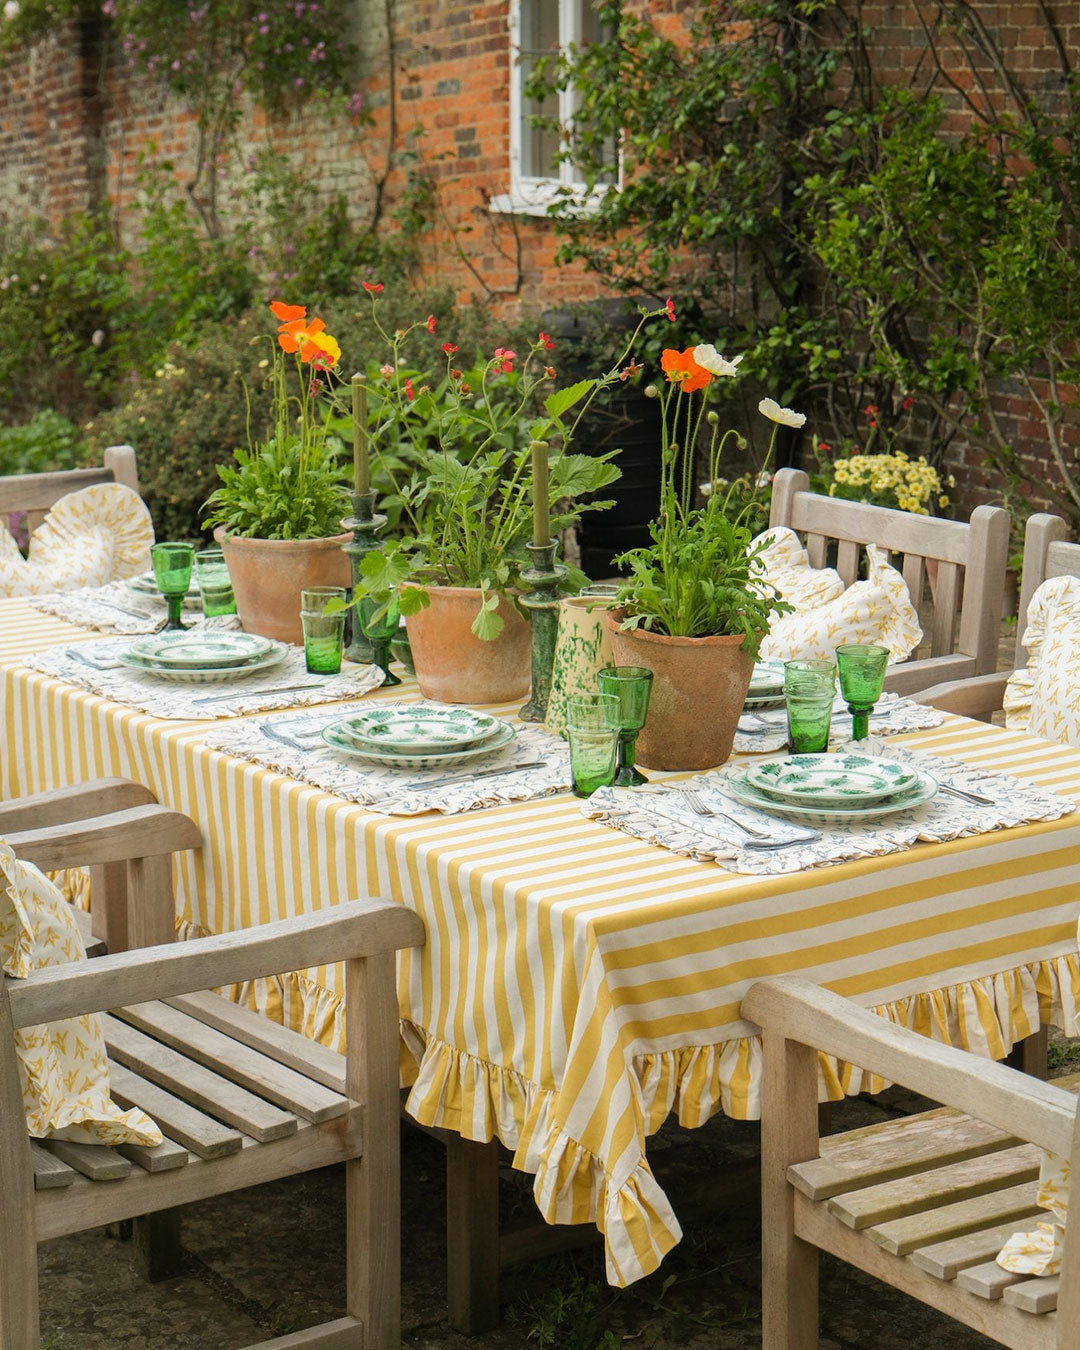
582	648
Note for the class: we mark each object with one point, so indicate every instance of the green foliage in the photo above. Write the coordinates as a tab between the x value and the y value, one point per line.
47	442
281	490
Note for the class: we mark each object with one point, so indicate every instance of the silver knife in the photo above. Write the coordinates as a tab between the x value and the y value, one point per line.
241	693
479	773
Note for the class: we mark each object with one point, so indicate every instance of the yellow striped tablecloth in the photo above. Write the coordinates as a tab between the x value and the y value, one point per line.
578	985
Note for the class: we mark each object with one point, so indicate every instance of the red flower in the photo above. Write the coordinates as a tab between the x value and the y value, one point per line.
545	341
465	389
871	409
549	371
669	305
373	287
409	390
824	447
505	359
455	374
431	323
449	348
682	369
908	403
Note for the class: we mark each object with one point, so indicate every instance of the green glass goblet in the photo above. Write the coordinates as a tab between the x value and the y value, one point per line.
862	673
631	685
172	573
379	620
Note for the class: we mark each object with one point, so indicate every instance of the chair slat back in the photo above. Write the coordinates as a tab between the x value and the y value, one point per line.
36	493
964	582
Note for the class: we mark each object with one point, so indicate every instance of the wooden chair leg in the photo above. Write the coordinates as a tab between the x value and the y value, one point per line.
1029	1055
788	1135
155	1245
472	1234
19	1325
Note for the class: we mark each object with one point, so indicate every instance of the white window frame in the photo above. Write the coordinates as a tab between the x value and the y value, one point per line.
529	194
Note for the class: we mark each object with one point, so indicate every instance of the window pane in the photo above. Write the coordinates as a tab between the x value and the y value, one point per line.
592	31
539	37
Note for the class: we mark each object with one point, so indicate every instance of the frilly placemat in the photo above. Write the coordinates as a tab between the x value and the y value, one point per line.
93	666
761	733
294	745
663	817
119	608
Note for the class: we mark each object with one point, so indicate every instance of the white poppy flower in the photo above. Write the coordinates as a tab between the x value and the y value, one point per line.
768	407
710	359
11	9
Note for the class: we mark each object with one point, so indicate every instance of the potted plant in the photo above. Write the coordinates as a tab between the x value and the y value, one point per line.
694	608
463	453
279	508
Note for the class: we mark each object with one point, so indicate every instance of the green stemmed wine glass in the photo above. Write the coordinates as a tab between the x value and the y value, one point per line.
631	685
172	572
378	620
862	673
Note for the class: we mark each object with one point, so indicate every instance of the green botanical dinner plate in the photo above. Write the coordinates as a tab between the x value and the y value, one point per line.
146	585
422	729
768	678
203	650
924	789
831	780
210	675
337	737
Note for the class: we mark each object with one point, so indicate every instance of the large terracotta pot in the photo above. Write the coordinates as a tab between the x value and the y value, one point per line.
454	665
268	575
699	687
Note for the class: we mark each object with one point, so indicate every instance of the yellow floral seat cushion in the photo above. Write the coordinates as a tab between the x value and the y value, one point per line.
90	537
877	610
63	1066
1043	699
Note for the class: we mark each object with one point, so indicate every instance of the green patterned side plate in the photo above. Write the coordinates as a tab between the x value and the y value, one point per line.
924	790
831	780
337	737
213	674
767	679
204	650
422	729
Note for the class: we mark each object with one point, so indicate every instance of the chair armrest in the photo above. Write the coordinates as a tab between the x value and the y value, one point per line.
342	933
800	1011
60	805
140	832
911	676
979	695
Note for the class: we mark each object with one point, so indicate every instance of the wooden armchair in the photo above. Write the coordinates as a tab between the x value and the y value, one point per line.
35	493
1047	553
923	1204
967	560
239	1099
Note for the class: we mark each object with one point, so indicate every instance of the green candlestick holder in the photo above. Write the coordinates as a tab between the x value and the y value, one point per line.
365	523
542	602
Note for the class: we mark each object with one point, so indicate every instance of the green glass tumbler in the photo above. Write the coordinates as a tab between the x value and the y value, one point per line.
862	673
379	621
809	691
592	728
322	615
172	573
631	685
215	585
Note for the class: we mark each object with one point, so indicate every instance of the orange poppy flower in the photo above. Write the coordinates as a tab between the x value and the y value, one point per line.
298	335
682	369
287	313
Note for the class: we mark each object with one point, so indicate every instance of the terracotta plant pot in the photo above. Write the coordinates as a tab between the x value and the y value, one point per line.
454	665
699	687
268	575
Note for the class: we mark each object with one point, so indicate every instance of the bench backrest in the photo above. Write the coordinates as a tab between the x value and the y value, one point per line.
35	493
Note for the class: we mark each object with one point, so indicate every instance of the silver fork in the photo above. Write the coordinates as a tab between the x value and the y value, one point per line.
699	808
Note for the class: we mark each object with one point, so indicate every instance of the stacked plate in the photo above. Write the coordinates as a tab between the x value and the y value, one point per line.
426	736
766	685
204	657
837	789
146	585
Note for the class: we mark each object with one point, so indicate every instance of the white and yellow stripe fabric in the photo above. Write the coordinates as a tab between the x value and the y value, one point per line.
99	534
577	985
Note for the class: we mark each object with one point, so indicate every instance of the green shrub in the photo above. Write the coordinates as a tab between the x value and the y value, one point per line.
47	442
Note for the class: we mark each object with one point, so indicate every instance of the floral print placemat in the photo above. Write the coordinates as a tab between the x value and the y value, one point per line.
534	765
762	732
120	608
94	666
663	817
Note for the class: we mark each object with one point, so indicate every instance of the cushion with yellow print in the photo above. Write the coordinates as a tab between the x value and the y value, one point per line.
90	537
788	570
1044	698
1039	1252
877	610
65	1074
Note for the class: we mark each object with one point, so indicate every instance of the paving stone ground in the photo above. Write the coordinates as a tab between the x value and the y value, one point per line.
266	1261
